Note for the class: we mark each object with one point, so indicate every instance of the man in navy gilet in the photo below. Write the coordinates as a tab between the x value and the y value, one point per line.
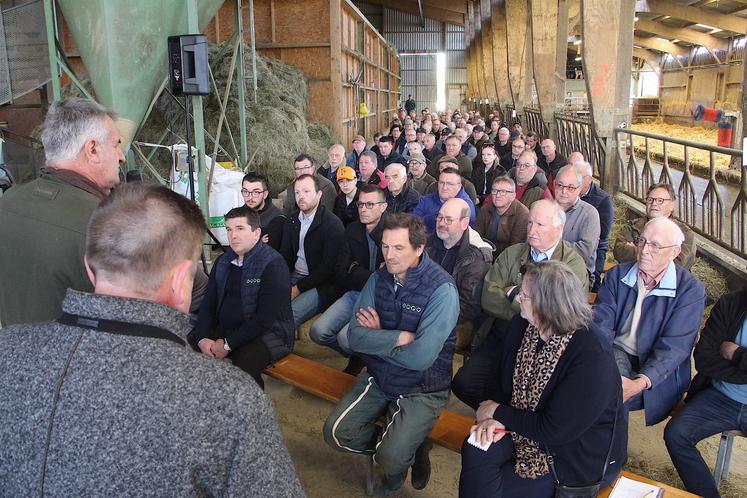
246	313
404	330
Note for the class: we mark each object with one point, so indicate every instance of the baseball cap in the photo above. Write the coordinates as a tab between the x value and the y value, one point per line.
345	173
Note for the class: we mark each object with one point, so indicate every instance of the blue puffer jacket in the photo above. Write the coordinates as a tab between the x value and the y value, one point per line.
402	311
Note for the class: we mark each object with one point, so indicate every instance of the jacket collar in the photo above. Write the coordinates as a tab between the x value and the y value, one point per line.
667	286
128	310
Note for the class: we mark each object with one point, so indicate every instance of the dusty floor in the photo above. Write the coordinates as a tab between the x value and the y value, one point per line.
326	473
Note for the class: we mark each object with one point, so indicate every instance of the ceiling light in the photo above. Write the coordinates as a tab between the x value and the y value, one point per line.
635	18
577	59
662	39
675	40
577	42
705	26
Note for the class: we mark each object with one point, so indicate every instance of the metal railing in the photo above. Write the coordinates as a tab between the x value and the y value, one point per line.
646	158
533	122
508	116
576	134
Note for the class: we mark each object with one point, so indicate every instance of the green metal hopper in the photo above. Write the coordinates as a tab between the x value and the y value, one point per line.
123	45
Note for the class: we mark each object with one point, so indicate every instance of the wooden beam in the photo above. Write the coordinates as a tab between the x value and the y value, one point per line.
430	12
517	13
684	34
482	80
607	27
544	29
487	51
660	45
647	55
459	7
695	15
500	53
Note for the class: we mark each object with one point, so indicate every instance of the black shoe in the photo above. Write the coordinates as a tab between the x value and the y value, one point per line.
421	467
355	365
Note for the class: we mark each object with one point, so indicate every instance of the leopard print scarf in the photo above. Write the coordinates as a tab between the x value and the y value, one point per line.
532	372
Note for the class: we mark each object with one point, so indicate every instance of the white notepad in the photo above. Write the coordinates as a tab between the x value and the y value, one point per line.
628	488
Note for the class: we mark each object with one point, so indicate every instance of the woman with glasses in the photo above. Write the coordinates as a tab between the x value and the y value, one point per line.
660	202
553	412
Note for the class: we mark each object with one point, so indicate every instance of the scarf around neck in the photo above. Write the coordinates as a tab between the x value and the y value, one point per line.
532	372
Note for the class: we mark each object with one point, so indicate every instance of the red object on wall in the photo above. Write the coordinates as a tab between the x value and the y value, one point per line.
707	114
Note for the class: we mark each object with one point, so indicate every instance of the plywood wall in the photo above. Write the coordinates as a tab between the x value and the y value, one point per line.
681	91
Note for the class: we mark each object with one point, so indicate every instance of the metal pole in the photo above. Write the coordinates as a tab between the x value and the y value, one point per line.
197	117
241	82
54	72
254	48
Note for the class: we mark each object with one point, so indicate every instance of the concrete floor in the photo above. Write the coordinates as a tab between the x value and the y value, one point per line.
325	472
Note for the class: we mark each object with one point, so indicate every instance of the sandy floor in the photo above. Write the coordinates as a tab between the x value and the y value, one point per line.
325	472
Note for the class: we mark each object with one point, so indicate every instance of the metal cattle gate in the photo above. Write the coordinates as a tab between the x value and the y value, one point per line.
575	133
700	199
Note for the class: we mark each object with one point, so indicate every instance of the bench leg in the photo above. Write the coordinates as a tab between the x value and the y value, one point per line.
369	475
721	470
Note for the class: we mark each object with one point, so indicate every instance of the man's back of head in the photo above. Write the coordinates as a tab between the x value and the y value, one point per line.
142	242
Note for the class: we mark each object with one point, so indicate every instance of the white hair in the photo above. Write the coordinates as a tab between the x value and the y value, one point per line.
570	167
667	224
558	214
398	166
583	168
69	124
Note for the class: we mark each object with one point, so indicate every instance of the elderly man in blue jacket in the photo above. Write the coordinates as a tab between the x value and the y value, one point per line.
650	313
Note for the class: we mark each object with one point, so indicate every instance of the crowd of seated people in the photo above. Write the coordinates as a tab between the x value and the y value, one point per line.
452	234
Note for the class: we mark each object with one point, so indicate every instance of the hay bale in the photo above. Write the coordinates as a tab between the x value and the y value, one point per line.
277	127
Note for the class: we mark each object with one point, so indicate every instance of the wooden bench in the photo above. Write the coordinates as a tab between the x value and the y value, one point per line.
450	430
331	384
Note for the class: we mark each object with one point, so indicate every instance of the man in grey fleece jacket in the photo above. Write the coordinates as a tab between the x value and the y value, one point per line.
108	401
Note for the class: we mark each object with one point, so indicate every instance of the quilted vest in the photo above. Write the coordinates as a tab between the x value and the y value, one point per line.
402	311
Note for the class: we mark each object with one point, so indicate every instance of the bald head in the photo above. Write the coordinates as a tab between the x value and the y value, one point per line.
548	149
575	157
452	221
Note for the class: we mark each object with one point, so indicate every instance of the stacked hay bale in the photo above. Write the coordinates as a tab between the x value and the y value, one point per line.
277	128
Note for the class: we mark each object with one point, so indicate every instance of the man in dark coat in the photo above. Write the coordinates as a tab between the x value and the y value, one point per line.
311	243
400	197
360	256
386	154
107	400
466	257
256	195
246	313
304	165
717	397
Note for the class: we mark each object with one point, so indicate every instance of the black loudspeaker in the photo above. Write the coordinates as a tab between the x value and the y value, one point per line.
188	65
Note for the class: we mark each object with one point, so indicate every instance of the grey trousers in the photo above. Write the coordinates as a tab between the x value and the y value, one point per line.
408	419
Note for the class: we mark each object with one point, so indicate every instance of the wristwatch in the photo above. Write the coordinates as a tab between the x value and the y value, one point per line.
225	346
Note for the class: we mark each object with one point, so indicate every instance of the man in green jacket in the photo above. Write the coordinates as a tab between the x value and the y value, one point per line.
544	241
44	221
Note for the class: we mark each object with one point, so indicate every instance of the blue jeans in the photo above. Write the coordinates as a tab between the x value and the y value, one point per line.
306	305
709	412
408	420
331	328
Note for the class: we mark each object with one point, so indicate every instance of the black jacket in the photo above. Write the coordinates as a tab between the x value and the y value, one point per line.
576	410
551	169
484	182
322	247
394	157
727	317
405	202
347	213
353	270
271	219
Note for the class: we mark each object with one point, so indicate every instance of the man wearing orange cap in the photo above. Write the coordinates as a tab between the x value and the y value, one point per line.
347	197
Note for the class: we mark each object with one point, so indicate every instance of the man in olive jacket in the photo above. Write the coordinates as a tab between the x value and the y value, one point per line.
44	221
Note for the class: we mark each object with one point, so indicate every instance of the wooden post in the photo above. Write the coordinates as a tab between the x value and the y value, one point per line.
477	19
544	27
607	51
487	53
561	61
335	72
517	16
500	53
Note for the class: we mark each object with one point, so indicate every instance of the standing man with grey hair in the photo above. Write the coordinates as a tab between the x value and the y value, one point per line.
108	398
44	221
649	311
582	220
